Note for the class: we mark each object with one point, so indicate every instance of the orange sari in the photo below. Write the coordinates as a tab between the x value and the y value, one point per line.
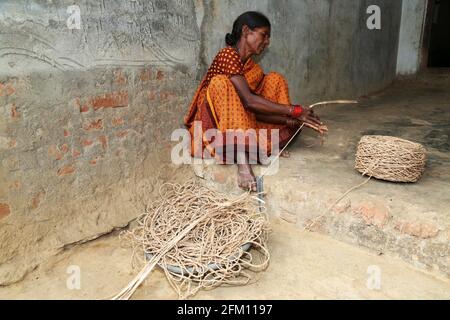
216	104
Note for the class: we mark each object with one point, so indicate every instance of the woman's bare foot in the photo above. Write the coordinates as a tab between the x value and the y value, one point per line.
285	154
246	177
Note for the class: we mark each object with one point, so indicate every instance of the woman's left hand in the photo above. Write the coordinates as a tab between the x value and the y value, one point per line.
310	113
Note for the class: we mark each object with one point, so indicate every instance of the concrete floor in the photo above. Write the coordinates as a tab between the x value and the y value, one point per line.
304	265
373	227
409	220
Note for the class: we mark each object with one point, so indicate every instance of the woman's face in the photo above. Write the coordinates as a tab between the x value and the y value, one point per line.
258	39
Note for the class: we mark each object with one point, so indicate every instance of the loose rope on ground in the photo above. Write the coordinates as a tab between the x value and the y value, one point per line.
316	219
201	233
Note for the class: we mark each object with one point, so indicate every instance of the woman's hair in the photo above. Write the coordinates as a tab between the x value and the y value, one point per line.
252	19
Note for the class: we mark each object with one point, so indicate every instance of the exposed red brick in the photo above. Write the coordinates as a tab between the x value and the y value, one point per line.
418	229
14	113
4	210
117	121
6	89
122	133
84	108
110	100
373	213
159	75
104	141
66	170
12	143
93	125
76	153
87	142
151	95
93	162
119	78
140	118
165	95
36	201
64	148
81	108
343	207
66	133
54	152
145	75
120	152
15	185
10	90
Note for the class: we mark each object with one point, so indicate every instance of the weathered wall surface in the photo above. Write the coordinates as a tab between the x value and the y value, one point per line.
324	48
86	115
411	35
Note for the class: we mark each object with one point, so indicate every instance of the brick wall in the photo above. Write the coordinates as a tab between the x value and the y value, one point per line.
85	119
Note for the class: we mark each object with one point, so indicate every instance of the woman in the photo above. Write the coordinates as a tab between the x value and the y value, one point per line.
235	94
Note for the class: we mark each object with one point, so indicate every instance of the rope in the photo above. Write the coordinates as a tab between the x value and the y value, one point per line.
400	160
208	249
300	128
387	158
315	220
201	233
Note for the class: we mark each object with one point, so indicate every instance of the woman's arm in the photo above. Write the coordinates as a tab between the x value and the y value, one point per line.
256	103
270	118
261	106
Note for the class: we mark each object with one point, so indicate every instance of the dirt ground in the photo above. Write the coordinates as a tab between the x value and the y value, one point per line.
303	265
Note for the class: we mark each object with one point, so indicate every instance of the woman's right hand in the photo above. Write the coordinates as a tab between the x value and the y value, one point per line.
309	119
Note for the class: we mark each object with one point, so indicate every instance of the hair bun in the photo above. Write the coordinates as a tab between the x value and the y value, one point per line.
230	39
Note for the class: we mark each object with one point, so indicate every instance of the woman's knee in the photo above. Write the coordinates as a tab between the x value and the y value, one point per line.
275	76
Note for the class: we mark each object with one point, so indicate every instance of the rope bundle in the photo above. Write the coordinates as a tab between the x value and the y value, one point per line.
390	158
202	233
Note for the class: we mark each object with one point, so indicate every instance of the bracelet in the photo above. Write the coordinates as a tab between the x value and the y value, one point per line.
296	111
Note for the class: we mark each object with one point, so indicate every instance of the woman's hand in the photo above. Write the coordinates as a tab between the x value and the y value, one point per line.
296	123
311	120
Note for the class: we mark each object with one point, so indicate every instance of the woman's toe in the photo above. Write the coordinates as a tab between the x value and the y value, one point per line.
285	154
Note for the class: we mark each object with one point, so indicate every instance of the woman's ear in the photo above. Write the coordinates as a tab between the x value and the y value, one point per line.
245	30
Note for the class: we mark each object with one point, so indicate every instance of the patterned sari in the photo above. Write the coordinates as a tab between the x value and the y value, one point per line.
217	105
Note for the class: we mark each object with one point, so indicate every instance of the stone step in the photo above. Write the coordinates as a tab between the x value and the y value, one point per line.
373	216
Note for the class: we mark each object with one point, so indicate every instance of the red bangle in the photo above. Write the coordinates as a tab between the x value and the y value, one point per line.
296	111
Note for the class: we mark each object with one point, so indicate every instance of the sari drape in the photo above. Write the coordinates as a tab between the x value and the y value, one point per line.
217	105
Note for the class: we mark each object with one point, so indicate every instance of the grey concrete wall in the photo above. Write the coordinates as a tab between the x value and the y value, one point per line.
411	35
324	48
86	115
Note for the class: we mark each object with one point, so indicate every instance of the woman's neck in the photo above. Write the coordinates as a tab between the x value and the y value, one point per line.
243	51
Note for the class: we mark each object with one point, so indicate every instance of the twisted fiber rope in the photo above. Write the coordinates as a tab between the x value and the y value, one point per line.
192	227
384	157
398	160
